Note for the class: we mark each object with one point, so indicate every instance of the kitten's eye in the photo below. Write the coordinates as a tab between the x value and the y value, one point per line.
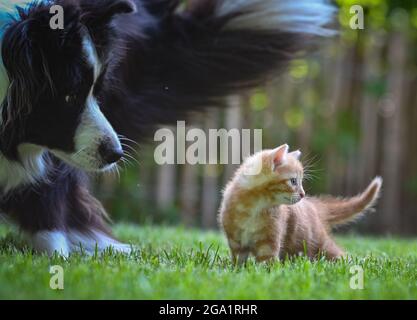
71	98
293	182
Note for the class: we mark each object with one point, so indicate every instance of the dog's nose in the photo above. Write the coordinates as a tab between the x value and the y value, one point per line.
109	153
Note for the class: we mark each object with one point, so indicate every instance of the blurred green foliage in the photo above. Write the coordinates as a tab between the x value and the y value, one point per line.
259	101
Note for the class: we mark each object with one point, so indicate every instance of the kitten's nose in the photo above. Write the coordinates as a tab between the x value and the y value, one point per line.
302	195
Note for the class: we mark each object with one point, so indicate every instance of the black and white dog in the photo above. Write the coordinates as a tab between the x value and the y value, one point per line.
118	69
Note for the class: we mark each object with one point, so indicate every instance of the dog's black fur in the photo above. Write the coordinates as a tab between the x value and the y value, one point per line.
156	65
187	62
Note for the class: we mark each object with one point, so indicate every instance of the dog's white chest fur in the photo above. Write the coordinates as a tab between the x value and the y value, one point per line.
31	169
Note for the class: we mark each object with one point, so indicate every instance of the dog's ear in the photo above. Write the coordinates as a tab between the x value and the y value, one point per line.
18	60
161	8
25	58
97	13
97	16
35	24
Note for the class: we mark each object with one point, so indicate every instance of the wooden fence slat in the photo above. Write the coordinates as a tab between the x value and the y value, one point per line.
189	189
210	186
166	186
393	135
233	120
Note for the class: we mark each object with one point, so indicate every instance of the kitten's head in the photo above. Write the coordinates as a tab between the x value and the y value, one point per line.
282	171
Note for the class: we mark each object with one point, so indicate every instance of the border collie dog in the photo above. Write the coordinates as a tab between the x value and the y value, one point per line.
117	69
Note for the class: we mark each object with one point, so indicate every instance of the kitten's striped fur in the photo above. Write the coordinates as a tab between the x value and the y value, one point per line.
268	215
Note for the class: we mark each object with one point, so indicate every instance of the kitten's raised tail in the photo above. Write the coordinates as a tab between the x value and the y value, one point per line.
340	211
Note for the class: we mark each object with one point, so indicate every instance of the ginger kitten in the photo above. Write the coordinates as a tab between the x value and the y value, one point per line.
269	216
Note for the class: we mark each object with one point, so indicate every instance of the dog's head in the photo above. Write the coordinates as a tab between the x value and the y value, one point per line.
54	75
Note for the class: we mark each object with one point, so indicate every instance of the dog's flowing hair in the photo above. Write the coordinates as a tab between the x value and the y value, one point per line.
118	69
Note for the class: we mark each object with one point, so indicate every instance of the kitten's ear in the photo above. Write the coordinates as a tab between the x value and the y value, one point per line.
296	154
280	155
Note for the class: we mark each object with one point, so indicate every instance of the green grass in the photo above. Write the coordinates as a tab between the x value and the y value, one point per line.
175	263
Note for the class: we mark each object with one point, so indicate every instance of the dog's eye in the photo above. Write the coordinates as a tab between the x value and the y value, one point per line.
71	98
293	182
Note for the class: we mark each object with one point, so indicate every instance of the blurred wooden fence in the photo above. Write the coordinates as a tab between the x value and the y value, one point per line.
352	108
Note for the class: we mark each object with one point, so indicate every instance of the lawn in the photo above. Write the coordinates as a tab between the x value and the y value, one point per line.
176	263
